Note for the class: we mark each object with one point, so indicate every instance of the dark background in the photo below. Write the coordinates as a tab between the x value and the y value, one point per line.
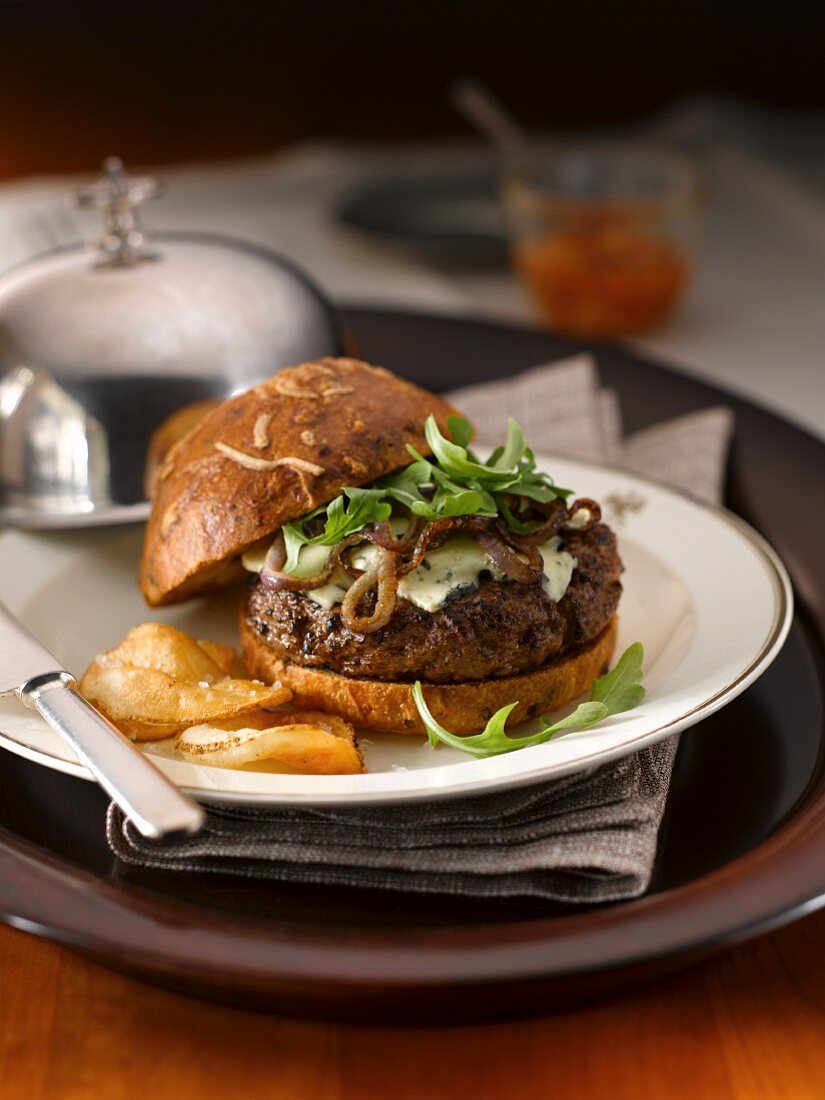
182	80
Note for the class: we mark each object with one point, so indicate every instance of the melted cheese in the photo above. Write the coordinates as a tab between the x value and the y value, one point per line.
312	560
253	559
444	572
328	595
558	569
579	518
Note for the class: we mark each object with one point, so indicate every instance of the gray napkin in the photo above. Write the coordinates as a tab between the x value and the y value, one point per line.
586	838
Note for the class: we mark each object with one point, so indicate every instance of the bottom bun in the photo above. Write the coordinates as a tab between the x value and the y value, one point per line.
461	708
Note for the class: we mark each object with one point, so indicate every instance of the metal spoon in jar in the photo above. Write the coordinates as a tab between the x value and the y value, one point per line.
477	104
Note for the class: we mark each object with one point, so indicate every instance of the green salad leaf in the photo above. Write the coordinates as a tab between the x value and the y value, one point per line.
621	689
453	482
350	512
461	430
618	691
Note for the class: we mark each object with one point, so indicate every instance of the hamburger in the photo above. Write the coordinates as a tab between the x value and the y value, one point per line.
379	550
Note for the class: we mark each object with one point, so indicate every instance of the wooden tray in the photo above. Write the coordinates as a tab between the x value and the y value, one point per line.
741	845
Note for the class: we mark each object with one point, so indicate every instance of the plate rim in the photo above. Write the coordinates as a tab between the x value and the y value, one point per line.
107	514
783	611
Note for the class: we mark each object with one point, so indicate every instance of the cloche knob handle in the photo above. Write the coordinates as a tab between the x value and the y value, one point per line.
117	196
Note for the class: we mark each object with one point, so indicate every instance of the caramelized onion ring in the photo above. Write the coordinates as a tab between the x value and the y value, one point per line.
382	535
272	574
490	540
557	515
274	578
474	525
382	576
337	556
526	570
591	506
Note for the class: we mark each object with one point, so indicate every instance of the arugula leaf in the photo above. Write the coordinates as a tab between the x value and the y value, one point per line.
456	462
348	513
618	691
537	490
461	430
406	485
451	483
465	502
293	541
513	448
365	506
621	689
509	518
492	741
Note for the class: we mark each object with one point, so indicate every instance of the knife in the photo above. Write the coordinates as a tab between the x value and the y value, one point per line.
157	808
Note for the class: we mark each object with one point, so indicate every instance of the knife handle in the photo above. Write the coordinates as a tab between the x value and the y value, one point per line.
157	808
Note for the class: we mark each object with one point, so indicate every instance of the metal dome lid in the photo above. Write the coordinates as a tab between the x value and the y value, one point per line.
100	345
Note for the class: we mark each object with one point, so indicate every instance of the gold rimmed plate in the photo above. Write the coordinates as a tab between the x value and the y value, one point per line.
708	598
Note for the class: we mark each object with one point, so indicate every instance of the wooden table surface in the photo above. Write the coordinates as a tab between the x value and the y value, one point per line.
748	1024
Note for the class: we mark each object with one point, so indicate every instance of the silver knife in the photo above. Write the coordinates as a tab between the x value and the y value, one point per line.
154	804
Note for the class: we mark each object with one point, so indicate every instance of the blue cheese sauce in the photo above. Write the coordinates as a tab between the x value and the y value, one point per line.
558	569
579	518
452	568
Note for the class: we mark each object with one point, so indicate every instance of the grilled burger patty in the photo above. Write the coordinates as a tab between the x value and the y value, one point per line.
500	628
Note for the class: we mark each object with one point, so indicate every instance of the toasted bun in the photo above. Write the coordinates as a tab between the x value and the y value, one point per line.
461	708
327	424
167	434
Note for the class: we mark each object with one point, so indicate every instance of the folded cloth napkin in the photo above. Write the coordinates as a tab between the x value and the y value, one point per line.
587	838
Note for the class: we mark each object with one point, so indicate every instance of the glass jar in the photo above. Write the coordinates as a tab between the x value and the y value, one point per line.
604	236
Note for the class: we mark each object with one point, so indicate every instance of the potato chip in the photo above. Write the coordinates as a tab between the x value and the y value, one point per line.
169	650
149	705
222	654
310	741
159	681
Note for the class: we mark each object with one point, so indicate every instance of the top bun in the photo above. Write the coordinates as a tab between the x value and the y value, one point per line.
269	456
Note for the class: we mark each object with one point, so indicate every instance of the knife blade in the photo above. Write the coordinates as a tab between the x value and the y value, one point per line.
155	805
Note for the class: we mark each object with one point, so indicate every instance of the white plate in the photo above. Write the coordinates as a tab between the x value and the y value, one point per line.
706	595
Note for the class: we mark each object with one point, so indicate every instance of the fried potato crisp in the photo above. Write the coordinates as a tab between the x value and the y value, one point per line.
222	654
308	741
169	650
159	681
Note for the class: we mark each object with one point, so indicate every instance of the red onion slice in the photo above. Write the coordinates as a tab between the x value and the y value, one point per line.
382	535
276	555
272	574
556	517
590	506
436	528
527	569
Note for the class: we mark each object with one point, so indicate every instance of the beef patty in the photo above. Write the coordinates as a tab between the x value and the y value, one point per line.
500	628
